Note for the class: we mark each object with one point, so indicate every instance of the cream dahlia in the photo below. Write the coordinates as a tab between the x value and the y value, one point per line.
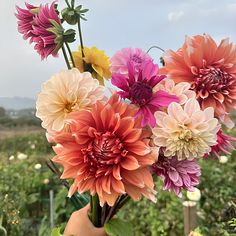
180	90
186	131
106	152
211	71
65	92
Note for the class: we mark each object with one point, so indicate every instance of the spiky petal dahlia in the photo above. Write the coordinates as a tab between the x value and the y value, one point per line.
107	152
210	69
64	93
135	56
186	131
177	174
94	61
25	20
223	144
138	88
43	26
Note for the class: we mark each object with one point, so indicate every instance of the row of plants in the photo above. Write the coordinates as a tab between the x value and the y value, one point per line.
25	182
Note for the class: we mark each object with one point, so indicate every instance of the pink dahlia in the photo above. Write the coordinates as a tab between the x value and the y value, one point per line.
48	31
211	71
135	56
138	87
177	174
25	20
43	26
106	152
223	143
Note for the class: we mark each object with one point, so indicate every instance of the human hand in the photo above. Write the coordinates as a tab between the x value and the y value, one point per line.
79	224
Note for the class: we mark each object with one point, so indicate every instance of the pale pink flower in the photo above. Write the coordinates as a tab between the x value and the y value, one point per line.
135	56
186	131
180	90
64	93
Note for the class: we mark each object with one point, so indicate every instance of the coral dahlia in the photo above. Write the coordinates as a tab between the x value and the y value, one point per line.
211	71
106	152
138	88
186	131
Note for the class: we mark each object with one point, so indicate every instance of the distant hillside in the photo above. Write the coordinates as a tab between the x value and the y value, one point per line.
17	103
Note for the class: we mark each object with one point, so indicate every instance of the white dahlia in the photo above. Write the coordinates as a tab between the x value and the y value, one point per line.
185	131
64	93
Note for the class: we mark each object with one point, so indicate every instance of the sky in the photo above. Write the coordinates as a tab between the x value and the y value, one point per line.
111	25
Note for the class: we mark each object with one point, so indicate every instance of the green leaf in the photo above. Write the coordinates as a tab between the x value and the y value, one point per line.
73	3
56	232
118	227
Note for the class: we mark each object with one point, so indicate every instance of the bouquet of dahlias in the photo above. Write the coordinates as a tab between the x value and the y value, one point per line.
159	122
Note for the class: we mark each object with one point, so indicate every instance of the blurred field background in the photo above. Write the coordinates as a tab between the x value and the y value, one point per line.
25	182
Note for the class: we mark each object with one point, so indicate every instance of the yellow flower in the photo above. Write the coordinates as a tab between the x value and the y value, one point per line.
96	62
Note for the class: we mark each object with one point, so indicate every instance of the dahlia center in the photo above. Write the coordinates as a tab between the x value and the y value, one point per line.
211	81
103	153
69	107
140	93
184	133
136	59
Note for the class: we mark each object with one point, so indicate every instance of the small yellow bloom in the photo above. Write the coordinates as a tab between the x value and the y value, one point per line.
96	62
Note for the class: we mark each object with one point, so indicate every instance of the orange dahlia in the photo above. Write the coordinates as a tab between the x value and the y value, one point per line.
106	152
210	69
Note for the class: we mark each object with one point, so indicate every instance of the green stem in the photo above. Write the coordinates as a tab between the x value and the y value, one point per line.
70	53
66	58
81	40
67	3
95	210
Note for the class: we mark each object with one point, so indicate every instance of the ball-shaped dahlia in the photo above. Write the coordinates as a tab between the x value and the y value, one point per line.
210	69
64	93
185	131
106	152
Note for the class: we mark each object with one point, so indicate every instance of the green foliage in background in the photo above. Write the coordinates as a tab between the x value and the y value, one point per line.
24	196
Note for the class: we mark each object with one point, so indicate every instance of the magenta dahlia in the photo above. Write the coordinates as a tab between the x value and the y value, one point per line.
25	20
42	26
138	88
223	143
177	174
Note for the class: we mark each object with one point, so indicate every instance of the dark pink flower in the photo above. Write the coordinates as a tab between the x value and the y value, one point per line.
25	20
223	143
177	174
138	88
47	27
43	26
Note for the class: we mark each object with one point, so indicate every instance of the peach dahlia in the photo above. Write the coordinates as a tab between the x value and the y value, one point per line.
210	69
106	152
